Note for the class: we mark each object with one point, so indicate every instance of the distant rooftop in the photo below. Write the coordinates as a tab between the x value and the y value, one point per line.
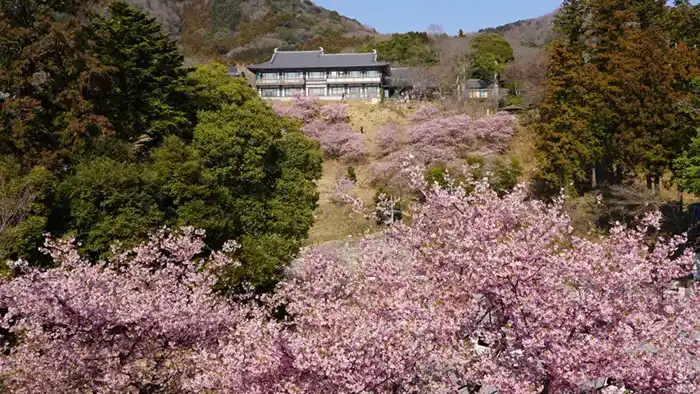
318	59
478	84
234	71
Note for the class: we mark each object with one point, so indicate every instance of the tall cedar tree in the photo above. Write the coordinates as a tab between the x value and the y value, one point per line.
46	73
569	145
629	108
147	98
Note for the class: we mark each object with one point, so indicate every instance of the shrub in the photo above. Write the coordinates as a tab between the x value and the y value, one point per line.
351	174
388	207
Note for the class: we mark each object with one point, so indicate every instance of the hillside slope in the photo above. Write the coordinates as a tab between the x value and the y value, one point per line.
248	30
534	32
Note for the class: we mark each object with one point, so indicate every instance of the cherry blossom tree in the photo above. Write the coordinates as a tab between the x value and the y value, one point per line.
425	113
302	108
335	113
434	140
137	323
475	290
388	139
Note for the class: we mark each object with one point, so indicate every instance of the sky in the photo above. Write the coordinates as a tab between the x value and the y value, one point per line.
396	16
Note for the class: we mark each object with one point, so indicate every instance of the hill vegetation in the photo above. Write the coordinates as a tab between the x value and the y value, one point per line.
535	32
248	30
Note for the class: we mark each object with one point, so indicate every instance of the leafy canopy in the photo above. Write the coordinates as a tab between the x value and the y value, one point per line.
108	137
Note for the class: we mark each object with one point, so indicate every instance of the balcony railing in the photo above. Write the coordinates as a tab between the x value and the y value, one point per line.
280	81
345	79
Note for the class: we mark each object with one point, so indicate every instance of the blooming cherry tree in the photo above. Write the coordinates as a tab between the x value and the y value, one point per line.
475	290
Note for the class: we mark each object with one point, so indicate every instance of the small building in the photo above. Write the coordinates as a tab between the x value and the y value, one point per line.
411	83
326	76
235	72
480	89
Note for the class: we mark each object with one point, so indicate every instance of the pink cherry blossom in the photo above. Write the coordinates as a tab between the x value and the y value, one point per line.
425	113
335	113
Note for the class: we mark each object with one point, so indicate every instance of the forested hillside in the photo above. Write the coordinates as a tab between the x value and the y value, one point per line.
535	32
248	30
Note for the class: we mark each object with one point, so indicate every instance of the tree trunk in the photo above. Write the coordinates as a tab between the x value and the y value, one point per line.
649	183
657	184
594	178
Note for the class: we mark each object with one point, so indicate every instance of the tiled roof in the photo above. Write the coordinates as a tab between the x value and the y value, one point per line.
318	59
478	84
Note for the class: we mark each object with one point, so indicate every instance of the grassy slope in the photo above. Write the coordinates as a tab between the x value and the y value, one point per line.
333	221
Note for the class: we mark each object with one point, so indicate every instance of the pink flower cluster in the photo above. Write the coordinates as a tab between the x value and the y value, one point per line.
425	113
337	140
335	113
327	125
440	140
302	108
474	290
388	139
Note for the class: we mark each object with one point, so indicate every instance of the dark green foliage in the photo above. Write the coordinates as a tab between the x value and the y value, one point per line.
351	174
146	96
106	201
505	175
23	209
137	142
46	73
687	175
408	49
620	99
491	55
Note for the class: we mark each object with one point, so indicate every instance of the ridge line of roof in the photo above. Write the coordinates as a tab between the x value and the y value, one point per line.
317	50
346	53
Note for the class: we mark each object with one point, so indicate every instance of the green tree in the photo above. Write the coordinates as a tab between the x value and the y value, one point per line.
407	49
109	138
491	55
687	175
146	95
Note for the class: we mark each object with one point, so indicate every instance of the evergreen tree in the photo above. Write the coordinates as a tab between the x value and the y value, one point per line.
147	96
491	55
619	77
46	73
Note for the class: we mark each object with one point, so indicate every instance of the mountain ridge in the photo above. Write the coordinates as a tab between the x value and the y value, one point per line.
248	30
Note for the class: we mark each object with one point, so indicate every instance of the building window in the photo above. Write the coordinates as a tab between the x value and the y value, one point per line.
337	91
338	74
355	90
373	73
478	94
291	92
355	74
317	75
317	92
268	92
372	91
269	76
292	75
